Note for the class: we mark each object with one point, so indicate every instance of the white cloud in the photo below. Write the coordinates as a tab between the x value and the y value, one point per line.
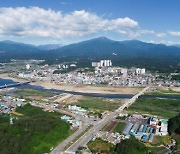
35	21
174	33
38	22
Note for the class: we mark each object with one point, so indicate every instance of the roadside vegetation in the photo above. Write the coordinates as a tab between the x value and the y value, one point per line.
121	118
110	126
76	138
34	132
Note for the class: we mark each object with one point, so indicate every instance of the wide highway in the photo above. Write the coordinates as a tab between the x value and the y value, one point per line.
83	140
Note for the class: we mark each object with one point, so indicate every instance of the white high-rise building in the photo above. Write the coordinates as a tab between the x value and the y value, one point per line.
140	71
102	63
28	66
143	71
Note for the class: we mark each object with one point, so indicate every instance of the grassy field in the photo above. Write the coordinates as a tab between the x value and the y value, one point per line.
119	127
165	92
33	133
159	140
99	104
158	150
100	146
30	92
161	107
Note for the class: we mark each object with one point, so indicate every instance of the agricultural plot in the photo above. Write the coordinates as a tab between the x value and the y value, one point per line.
161	107
100	146
119	127
109	127
99	104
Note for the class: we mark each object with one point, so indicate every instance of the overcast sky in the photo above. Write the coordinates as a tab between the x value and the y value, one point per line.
68	21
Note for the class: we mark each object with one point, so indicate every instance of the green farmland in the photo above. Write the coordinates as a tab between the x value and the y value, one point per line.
119	127
100	146
154	106
30	92
99	104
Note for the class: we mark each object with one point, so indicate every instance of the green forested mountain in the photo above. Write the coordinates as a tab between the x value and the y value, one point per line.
125	53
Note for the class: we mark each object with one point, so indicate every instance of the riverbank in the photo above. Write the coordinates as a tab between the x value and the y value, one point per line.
79	88
6	76
88	88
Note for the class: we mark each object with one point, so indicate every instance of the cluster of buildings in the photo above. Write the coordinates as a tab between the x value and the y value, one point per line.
113	76
146	128
43	72
142	128
9	104
168	83
140	71
77	110
65	66
113	138
75	122
104	73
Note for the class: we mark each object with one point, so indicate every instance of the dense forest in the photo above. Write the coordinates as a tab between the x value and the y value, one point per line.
174	130
130	146
174	125
34	132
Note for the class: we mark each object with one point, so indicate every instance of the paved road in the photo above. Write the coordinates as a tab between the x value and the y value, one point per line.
14	85
89	135
100	124
86	123
61	146
83	140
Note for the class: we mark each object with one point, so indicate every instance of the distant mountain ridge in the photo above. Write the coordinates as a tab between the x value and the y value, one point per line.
177	45
126	53
49	46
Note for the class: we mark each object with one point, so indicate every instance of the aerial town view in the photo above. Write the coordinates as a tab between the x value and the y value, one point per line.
89	77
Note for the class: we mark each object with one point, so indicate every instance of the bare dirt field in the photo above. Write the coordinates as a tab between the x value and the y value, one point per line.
89	89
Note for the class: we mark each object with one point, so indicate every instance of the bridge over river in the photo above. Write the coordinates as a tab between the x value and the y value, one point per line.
14	85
